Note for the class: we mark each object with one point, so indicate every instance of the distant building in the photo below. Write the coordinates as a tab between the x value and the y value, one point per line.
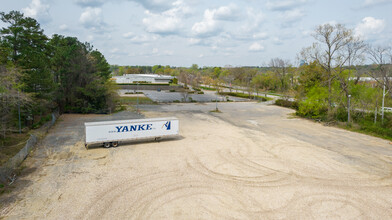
143	78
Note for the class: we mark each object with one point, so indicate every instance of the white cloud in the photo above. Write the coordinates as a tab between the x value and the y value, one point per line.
90	3
211	23
206	27
283	5
277	41
256	47
155	5
167	22
128	35
92	19
375	2
291	16
194	41
370	26
90	38
139	39
226	13
63	27
254	20
37	10
260	36
114	50
168	53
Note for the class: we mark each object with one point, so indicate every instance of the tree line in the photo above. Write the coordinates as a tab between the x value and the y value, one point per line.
41	74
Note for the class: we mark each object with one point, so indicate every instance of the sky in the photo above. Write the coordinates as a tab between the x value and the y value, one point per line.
204	32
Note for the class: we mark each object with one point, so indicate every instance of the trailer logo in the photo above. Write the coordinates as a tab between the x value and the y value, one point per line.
130	128
167	125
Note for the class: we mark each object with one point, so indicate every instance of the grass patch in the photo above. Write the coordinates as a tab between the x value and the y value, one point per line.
360	122
235	94
130	93
366	125
216	111
42	121
246	96
11	145
207	88
133	100
145	84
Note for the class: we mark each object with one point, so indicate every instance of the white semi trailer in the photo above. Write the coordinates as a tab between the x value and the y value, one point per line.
110	133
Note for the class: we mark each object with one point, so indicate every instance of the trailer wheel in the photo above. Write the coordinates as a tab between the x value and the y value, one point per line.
115	144
107	144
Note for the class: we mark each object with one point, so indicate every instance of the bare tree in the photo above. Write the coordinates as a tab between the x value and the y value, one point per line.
328	51
280	67
10	98
382	61
352	52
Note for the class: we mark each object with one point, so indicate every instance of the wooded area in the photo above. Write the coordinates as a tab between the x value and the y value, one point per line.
41	74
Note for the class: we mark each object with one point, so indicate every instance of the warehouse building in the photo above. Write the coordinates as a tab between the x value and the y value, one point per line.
143	78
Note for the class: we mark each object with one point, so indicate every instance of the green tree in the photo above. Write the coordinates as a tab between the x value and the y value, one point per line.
28	45
155	68
316	103
102	67
194	67
82	76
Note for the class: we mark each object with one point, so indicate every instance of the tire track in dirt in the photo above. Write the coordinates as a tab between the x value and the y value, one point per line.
148	194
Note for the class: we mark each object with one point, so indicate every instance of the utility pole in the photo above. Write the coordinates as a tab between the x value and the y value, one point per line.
20	125
137	98
216	100
382	108
348	110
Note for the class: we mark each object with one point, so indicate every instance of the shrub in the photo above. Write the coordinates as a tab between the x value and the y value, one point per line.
42	121
287	103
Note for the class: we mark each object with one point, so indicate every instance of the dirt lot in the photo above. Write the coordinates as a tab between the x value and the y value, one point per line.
253	161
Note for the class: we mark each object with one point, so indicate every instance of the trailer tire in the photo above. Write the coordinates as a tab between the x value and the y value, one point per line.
115	144
107	144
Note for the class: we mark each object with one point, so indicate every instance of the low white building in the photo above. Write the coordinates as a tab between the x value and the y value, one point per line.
143	78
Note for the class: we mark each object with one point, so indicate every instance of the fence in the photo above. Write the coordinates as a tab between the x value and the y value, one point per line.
7	169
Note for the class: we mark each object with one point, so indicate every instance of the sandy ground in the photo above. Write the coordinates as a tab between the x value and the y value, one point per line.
253	161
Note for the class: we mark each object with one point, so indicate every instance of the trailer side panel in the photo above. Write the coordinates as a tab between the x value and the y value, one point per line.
97	132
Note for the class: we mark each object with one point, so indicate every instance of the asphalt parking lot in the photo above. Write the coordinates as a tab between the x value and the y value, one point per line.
168	97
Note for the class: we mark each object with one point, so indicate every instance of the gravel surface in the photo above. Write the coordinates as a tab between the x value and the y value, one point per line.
252	161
